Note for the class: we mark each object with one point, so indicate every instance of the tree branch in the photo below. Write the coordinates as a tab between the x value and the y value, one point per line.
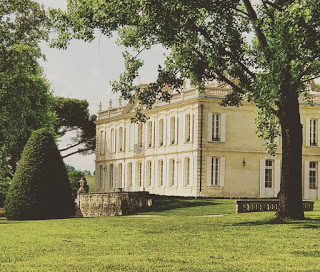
75	152
71	146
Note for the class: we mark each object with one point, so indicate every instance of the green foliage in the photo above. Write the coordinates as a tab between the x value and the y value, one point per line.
74	177
4	188
40	187
69	168
73	115
25	97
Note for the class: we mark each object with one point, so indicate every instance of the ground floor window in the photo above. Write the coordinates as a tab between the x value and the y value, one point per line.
312	175
269	165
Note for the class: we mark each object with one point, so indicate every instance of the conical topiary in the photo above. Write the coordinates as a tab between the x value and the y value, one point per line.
40	187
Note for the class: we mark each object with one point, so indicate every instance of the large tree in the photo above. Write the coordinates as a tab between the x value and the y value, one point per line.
73	116
270	49
25	98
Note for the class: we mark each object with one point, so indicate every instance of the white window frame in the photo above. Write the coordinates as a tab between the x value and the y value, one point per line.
130	175
102	142
313	175
121	139
269	174
161	173
173	130
112	175
102	177
214	168
216	127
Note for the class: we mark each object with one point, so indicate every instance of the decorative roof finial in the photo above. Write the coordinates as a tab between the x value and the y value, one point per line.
110	104
100	106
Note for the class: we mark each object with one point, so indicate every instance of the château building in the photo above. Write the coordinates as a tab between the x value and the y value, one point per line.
195	147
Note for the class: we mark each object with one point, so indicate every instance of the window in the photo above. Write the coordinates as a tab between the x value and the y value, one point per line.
149	134
112	181
140	173
312	175
313	132
215	127
214	170
161	173
113	144
188	128
102	140
268	173
161	133
120	139
172	164
172	130
101	177
130	174
187	171
120	175
149	173
140	133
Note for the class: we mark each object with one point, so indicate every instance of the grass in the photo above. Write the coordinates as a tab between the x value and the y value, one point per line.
177	236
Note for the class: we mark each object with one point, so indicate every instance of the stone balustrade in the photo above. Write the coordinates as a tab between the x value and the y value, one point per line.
262	205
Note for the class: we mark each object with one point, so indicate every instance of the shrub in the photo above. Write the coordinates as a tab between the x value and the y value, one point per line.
40	187
74	177
4	188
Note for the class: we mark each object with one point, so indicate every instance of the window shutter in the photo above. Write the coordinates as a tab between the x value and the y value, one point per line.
262	178
307	131
176	123
306	180
222	171
318	124
183	166
191	171
223	127
209	171
209	136
277	178
191	126
184	129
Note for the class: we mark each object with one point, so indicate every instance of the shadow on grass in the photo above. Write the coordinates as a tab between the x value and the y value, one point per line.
163	205
308	223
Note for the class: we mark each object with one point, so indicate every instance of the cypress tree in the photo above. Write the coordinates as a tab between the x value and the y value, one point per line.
40	187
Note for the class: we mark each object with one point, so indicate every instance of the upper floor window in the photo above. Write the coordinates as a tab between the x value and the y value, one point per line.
313	132
216	127
121	146
312	175
172	130
188	128
102	142
113	141
149	134
268	173
161	132
140	134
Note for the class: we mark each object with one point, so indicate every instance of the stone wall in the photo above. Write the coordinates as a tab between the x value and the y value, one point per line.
109	204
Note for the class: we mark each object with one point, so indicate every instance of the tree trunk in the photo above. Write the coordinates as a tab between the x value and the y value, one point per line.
291	170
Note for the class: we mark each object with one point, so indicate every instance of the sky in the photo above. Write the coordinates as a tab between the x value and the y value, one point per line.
84	71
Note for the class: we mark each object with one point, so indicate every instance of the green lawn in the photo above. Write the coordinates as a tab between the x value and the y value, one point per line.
177	238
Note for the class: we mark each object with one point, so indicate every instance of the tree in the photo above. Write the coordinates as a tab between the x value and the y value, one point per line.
40	187
74	177
73	115
69	168
208	37
25	98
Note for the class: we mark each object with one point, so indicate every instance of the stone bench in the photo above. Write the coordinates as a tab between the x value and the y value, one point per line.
263	205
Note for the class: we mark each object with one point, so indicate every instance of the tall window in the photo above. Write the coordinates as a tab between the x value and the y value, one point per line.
172	172
214	171
149	134
130	174
113	144
188	128
187	171
268	173
161	173
172	130
102	141
161	133
101	177
149	173
112	181
312	175
215	127
120	139
140	173
313	132
140	132
120	175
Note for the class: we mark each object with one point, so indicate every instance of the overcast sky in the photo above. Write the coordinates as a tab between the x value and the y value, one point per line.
84	70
